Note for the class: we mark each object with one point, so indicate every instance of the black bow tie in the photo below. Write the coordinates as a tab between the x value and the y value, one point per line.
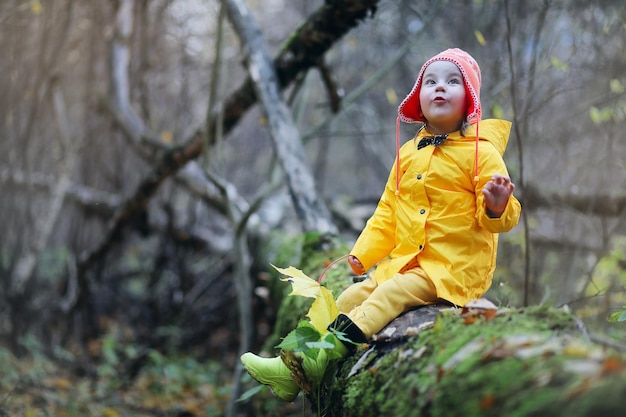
435	141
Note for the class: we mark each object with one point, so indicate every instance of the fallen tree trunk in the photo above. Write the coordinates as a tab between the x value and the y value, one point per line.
516	362
479	360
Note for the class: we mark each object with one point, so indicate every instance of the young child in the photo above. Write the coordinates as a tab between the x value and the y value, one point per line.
434	234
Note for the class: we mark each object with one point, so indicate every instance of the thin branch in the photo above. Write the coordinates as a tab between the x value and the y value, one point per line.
532	71
520	151
215	80
92	200
332	89
363	88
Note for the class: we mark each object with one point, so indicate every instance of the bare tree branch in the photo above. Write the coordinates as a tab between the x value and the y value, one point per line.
311	41
312	211
515	104
332	89
92	200
119	101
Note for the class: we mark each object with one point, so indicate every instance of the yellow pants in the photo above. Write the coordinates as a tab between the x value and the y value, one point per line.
371	306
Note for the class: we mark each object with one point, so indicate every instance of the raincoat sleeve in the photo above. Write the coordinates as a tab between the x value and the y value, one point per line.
491	163
377	239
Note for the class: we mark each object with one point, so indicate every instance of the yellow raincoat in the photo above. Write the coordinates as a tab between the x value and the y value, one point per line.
438	220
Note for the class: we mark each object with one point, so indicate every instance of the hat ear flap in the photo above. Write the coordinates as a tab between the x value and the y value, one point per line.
469	102
410	110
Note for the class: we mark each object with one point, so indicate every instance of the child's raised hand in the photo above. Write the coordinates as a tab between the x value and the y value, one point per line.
356	265
497	192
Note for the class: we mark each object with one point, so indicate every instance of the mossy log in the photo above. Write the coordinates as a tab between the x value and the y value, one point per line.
442	361
446	361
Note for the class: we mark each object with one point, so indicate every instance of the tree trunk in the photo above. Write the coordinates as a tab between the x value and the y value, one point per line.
478	360
508	362
311	209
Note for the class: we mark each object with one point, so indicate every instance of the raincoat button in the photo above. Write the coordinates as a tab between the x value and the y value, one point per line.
422	211
419	176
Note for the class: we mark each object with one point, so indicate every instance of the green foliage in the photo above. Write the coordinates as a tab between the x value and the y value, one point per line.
301	338
616	86
178	374
252	392
497	111
52	263
285	250
5	257
10	370
618	315
610	269
613	112
605	289
306	339
557	63
601	115
37	385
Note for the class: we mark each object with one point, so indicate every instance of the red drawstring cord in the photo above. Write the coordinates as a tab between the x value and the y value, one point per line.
397	155
476	154
319	280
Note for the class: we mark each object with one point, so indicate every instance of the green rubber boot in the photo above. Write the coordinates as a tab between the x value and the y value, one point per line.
273	373
309	372
292	371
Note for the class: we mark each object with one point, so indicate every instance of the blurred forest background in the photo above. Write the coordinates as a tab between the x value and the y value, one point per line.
145	195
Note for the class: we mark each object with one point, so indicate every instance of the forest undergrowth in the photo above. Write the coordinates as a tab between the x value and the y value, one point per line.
38	385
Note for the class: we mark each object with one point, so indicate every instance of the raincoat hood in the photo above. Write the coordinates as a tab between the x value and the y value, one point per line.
496	132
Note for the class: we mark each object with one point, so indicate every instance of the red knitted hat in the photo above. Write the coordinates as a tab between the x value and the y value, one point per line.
410	110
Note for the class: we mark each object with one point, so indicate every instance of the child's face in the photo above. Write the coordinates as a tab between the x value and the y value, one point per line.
442	97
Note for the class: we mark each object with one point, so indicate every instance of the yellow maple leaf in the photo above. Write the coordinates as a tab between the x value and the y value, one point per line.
324	309
301	284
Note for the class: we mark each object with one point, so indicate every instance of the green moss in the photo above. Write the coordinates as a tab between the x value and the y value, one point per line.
525	362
